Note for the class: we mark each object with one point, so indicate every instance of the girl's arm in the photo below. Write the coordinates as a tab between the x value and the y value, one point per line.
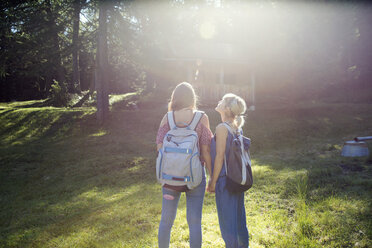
221	135
162	123
205	148
206	157
158	146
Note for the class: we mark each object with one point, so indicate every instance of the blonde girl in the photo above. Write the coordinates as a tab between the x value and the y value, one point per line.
230	206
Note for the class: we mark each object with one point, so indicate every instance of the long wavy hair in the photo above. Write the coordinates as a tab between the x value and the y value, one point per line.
183	96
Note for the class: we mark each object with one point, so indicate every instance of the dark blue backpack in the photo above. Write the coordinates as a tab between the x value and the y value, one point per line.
238	166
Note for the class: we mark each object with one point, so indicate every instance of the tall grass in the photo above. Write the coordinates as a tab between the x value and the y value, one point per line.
302	187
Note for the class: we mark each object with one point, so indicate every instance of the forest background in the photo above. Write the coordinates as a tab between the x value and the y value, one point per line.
299	50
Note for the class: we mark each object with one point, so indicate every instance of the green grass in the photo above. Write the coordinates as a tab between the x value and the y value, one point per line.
67	182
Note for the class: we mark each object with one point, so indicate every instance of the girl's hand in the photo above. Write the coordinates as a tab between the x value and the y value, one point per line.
211	186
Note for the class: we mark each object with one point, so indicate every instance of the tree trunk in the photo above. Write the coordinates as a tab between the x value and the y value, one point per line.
75	84
101	83
56	60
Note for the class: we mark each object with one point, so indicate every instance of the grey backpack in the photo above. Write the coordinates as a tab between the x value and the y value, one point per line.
178	162
238	165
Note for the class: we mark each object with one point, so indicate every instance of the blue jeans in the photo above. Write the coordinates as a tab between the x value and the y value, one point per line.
194	204
231	216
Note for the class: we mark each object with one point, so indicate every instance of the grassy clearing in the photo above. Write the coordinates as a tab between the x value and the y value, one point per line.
66	182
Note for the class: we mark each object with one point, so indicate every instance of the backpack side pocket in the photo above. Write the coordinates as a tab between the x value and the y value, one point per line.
196	171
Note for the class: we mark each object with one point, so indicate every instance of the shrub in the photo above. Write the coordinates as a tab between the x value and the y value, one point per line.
58	94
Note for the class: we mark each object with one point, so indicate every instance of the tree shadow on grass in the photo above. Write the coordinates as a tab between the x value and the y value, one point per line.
25	126
61	201
61	181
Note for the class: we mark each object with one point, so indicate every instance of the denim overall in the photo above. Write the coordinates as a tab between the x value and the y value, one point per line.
230	206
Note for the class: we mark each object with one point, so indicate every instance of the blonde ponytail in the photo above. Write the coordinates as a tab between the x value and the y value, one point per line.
239	121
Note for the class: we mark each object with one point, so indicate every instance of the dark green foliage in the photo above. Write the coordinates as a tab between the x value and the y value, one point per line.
59	96
306	51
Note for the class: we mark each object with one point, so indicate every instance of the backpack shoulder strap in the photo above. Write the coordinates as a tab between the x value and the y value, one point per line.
229	128
171	122
195	121
240	131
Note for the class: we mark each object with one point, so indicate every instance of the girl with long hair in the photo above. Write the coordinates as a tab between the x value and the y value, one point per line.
183	107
